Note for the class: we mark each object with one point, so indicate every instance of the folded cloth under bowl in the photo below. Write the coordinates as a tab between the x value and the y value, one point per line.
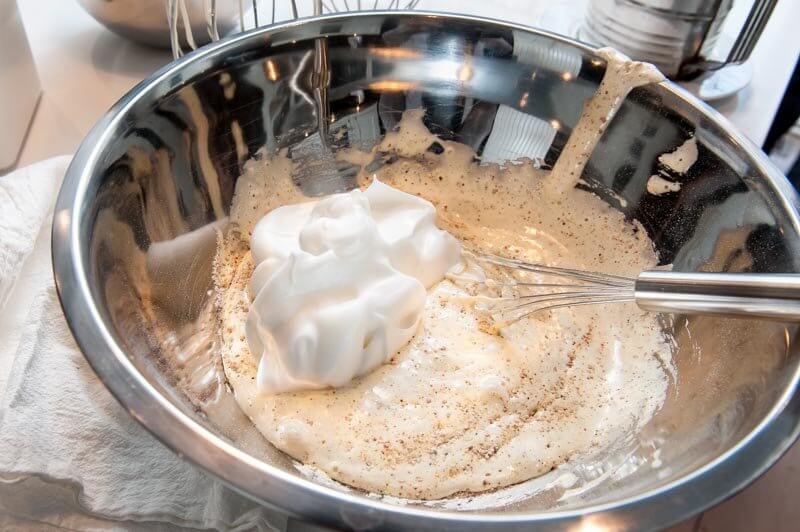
70	456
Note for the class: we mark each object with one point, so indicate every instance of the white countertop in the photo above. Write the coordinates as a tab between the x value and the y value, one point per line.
84	68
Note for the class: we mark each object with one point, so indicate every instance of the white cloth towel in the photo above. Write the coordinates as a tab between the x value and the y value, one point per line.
70	456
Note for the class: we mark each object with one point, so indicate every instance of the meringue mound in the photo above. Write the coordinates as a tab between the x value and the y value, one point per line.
339	285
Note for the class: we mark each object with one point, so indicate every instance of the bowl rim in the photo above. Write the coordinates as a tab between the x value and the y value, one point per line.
303	498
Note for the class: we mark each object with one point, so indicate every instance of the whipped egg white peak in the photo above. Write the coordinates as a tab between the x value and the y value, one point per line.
339	284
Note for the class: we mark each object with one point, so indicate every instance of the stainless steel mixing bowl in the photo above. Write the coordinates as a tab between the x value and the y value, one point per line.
132	251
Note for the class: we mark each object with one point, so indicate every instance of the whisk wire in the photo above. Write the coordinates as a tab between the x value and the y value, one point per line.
507	315
578	288
593	277
180	27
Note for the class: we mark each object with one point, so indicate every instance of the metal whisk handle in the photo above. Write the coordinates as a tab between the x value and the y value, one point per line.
755	295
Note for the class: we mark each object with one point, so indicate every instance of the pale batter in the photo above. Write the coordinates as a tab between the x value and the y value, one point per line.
459	409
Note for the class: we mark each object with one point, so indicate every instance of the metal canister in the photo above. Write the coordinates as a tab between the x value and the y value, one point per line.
675	35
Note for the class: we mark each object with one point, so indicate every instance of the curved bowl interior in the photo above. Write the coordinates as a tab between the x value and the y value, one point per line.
160	169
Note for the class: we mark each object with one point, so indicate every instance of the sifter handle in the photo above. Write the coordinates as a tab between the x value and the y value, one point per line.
751	31
743	46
